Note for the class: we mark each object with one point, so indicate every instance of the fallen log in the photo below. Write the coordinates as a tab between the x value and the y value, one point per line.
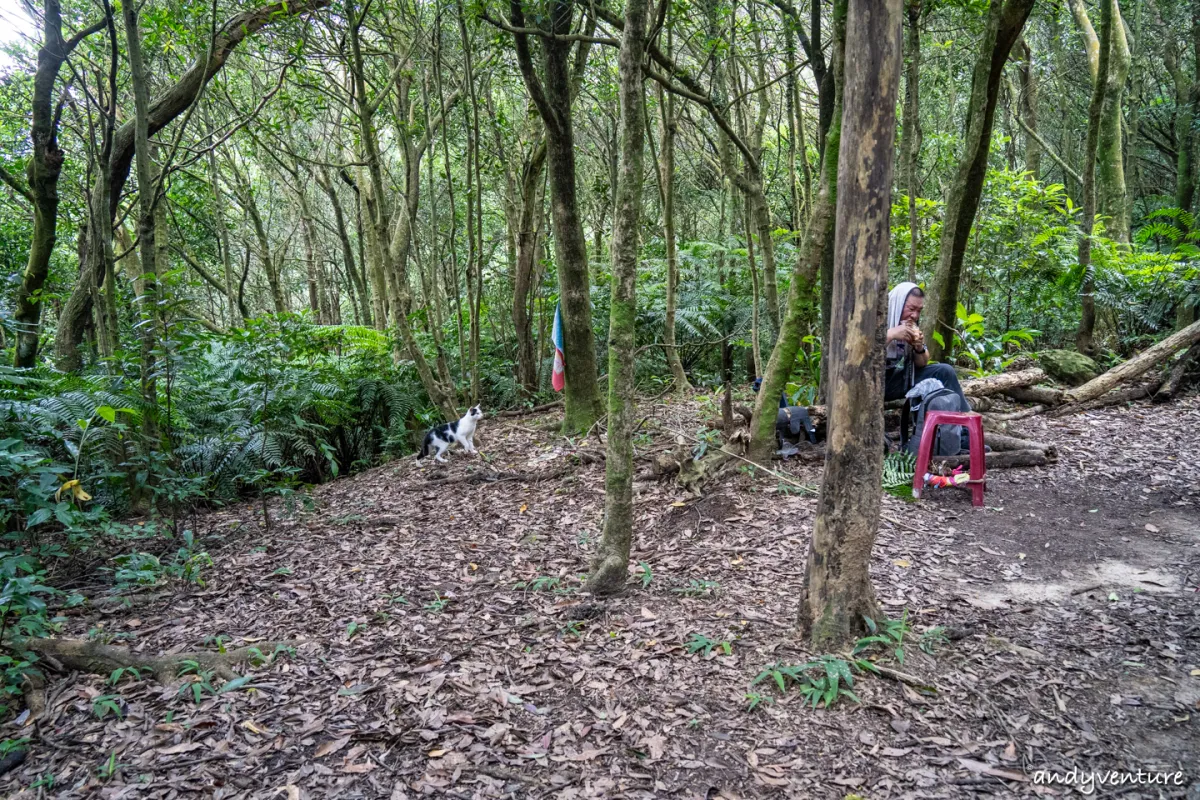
998	460
1172	384
998	384
1110	399
85	655
1137	365
1001	443
1036	394
980	404
524	412
1013	415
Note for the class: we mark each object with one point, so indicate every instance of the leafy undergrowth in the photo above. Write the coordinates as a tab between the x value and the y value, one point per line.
447	649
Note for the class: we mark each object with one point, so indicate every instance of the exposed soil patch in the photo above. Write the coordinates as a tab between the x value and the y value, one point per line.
429	672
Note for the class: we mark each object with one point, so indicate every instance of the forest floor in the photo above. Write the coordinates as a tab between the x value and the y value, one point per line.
1071	601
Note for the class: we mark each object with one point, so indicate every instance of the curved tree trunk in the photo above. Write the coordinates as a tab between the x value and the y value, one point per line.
838	592
1004	23
42	173
610	565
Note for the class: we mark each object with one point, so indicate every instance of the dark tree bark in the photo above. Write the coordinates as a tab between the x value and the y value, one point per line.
1101	47
41	174
610	565
551	93
1005	21
838	591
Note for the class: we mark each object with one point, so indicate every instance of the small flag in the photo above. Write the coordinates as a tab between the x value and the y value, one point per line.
558	378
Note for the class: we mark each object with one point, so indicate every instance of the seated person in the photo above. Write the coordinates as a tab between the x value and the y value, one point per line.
907	358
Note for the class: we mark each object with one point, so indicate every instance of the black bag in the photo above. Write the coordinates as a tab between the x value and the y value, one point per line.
949	437
791	420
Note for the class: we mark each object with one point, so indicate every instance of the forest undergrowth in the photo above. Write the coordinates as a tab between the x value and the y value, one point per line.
421	631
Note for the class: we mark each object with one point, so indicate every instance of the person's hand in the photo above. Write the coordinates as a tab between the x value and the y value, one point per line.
902	333
918	339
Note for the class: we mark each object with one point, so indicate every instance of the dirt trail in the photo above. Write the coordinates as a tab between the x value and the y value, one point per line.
1071	601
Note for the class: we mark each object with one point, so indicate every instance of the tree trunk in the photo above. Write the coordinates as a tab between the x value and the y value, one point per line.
610	565
1004	23
912	127
339	223
1029	110
552	96
42	173
838	592
802	301
1171	385
1098	51
666	169
148	188
1004	382
527	228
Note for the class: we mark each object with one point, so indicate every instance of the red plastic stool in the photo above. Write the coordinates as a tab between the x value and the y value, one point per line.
974	423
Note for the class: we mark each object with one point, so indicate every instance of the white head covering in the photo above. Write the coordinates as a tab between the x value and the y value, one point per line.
896	299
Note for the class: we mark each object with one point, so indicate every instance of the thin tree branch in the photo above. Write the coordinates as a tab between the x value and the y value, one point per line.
15	185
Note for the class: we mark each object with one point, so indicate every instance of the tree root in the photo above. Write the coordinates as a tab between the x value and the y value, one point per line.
103	659
897	675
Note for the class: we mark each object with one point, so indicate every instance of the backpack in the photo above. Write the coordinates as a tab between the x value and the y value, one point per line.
949	437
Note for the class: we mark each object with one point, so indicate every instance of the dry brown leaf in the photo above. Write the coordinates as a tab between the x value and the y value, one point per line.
980	768
332	746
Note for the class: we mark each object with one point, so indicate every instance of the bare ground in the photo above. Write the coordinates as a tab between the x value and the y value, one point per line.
1071	601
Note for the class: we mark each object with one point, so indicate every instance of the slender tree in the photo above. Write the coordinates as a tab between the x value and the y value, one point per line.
609	567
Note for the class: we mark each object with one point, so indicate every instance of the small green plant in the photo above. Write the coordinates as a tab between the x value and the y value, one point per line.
573	630
121	672
889	633
698	642
201	686
347	519
44	782
109	768
438	604
282	572
647	573
9	745
754	700
353	629
542	584
934	637
822	681
397	598
696	588
107	704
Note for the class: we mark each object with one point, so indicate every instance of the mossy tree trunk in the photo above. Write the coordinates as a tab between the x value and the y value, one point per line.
801	311
838	590
42	174
1004	23
609	568
552	95
1100	48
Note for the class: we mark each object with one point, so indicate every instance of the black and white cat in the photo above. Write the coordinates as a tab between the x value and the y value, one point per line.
442	436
